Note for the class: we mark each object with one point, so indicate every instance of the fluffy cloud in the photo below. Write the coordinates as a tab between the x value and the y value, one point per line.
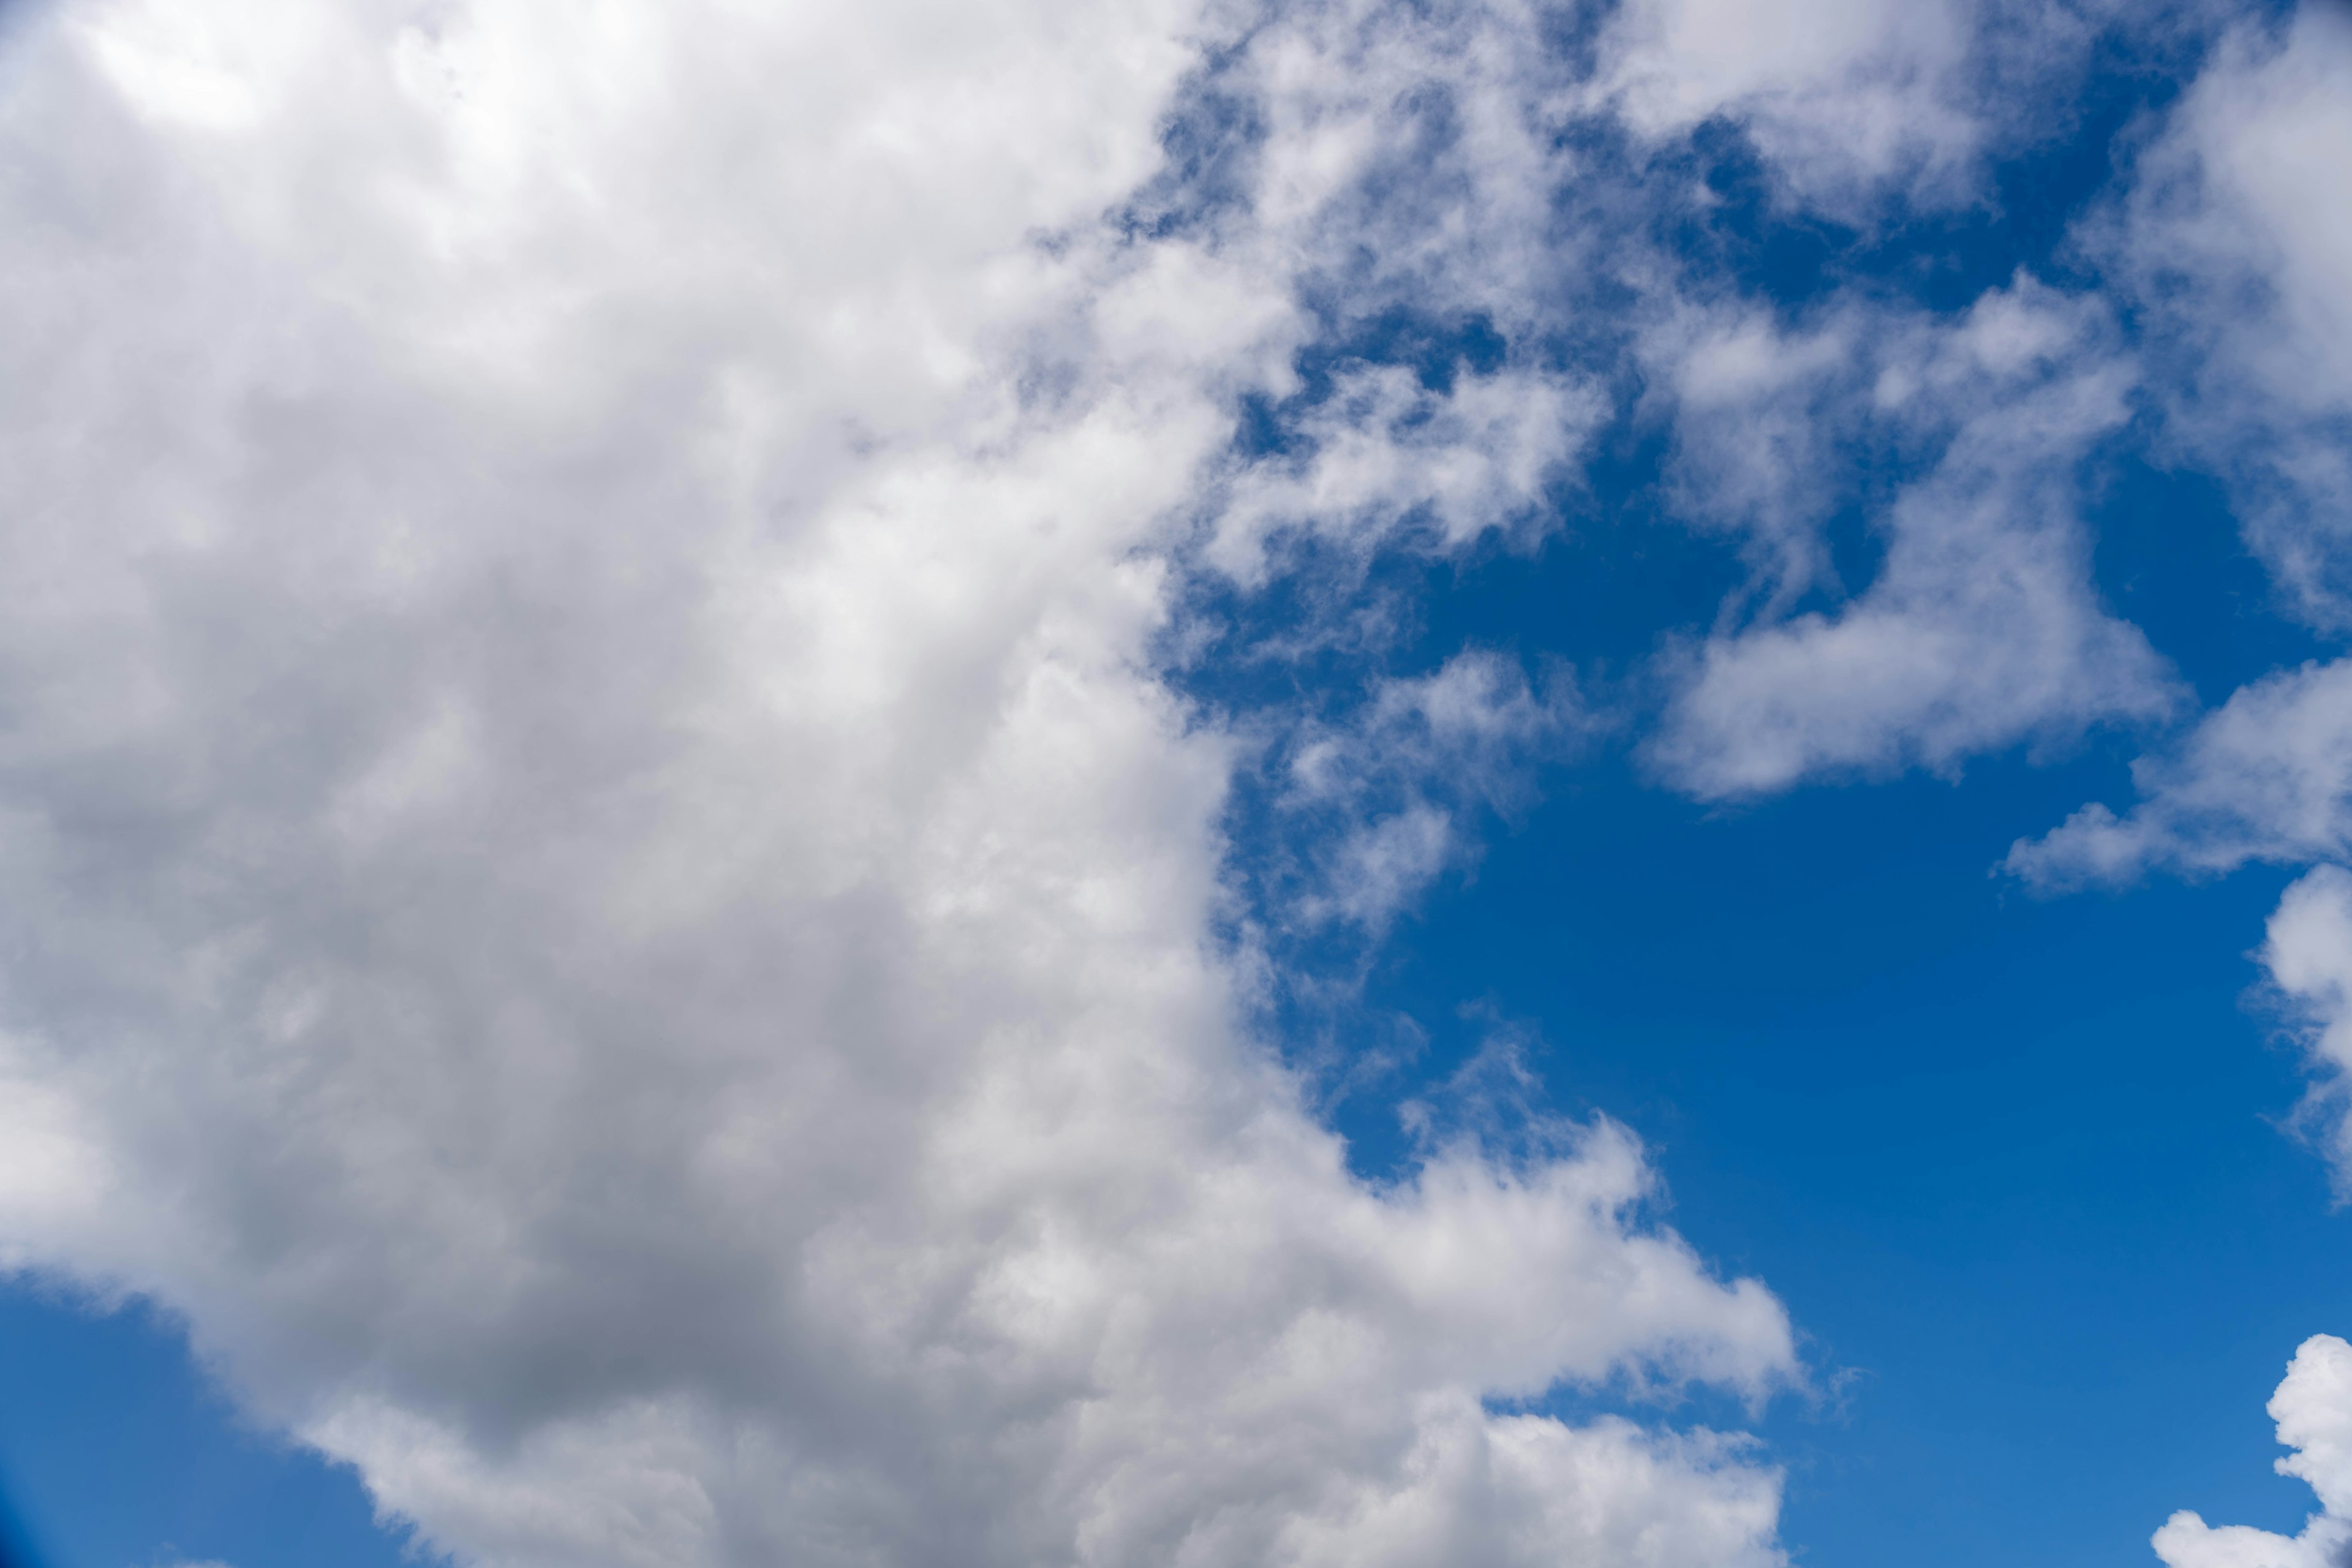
2238	243
1982	627
603	885
599	885
2312	1408
2265	777
1841	95
2308	953
1386	453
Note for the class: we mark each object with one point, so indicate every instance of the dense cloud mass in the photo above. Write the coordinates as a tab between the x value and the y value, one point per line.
612	882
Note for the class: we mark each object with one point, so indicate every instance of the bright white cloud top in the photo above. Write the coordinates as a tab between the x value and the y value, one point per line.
604	883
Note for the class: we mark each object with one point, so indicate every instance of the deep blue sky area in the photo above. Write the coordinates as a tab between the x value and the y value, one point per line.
119	1452
2010	1163
2019	1166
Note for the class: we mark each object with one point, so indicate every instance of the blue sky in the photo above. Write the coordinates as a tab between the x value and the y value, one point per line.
1477	784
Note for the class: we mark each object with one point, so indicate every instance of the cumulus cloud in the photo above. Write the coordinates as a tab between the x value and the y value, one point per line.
2312	1408
2266	777
600	887
1386	454
2237	242
1982	627
2237	261
2308	954
1840	95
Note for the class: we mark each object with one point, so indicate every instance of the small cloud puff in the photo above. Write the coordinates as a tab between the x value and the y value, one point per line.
2312	1408
2267	776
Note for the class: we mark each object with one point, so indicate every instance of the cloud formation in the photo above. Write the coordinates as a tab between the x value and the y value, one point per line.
1981	627
2308	952
2267	777
601	886
604	882
2236	242
1842	96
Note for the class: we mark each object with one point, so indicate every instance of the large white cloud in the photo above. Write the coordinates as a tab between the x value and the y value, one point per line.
597	884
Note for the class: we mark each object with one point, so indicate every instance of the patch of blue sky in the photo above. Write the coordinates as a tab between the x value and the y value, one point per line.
120	1451
2011	1164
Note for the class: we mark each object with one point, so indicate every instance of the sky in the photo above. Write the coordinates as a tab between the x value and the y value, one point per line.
1351	785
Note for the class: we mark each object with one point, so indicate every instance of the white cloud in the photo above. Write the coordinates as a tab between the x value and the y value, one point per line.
1757	411
1386	454
1408	165
2308	956
1981	628
1395	781
2265	777
2308	952
1840	95
598	885
2238	244
2312	1408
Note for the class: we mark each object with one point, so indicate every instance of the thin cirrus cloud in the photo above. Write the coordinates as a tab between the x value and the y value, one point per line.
1395	781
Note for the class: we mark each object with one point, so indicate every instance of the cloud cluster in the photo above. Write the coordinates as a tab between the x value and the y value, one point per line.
2230	246
1981	627
602	880
2236	243
600	888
